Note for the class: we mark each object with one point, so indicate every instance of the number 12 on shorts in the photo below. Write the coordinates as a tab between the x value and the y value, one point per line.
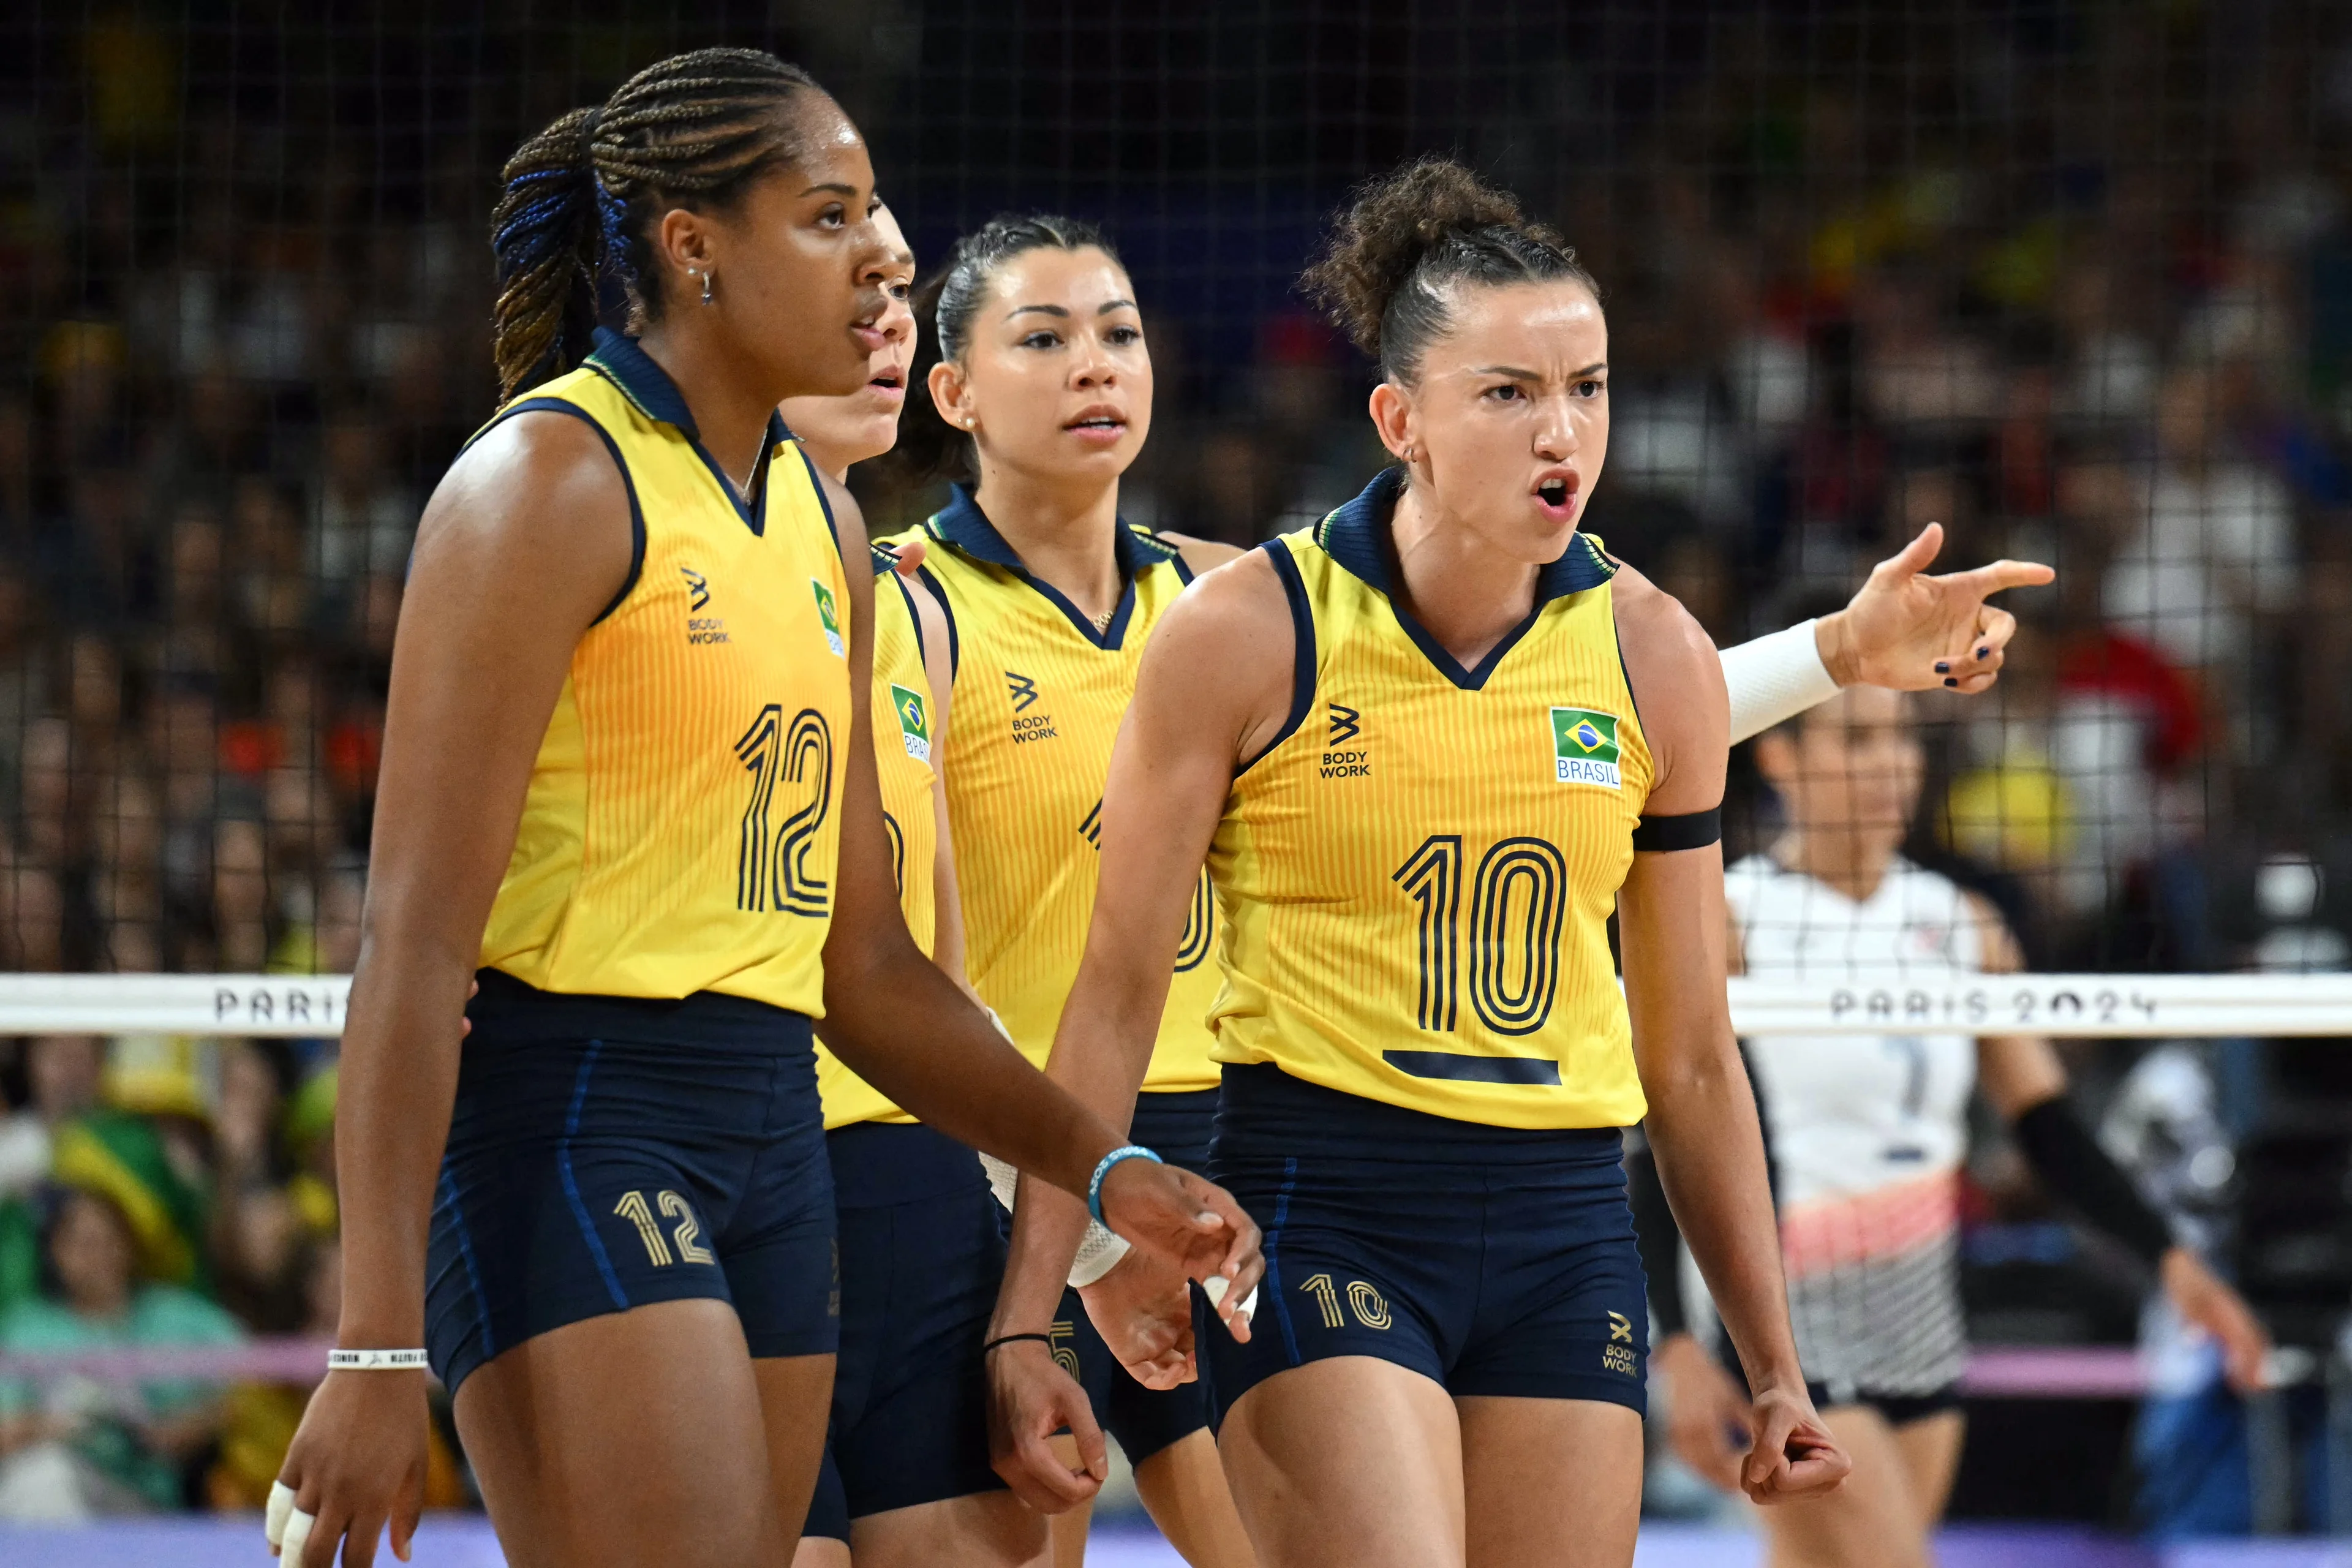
687	1233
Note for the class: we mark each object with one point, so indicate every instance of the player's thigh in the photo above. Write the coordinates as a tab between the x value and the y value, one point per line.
821	1552
1349	1459
987	1529
631	1438
796	1397
1870	1521
1931	1452
1067	1530
1184	1489
1551	1483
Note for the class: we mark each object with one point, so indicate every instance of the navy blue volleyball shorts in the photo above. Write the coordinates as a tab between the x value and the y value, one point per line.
1177	1127
1495	1261
607	1153
922	1254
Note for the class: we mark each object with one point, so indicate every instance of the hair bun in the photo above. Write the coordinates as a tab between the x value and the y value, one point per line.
1431	214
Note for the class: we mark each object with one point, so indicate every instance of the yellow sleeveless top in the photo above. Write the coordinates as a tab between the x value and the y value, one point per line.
903	738
1039	694
1417	876
682	824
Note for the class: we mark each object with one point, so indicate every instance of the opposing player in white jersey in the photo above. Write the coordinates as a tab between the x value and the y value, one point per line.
1868	1134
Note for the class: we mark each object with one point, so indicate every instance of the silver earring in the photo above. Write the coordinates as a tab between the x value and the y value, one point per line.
706	287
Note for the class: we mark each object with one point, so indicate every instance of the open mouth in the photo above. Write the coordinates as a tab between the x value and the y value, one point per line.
1102	425
889	381
1557	493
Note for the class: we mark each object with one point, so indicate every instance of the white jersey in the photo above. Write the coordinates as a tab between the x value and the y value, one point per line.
1867	1132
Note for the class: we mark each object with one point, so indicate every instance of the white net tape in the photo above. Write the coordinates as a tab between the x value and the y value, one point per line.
2107	1007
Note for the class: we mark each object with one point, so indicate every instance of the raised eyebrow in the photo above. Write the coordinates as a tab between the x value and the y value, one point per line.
835	186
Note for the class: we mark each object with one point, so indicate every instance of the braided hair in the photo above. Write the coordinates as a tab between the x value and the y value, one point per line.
1386	276
930	447
694	129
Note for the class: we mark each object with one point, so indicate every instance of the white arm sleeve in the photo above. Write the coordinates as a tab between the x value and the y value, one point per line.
1773	677
1097	1253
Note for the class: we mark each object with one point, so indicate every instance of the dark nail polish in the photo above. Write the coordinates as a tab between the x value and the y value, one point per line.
1943	666
1949	681
1985	652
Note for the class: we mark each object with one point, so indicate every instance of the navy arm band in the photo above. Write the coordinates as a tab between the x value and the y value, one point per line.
1693	830
2078	1172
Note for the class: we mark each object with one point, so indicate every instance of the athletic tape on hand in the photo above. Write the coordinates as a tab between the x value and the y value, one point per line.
273	1518
1097	1253
298	1526
1215	1285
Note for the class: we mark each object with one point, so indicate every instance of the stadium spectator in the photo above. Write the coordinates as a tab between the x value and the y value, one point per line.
81	1446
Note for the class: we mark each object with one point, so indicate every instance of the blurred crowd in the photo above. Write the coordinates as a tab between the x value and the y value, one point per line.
2084	305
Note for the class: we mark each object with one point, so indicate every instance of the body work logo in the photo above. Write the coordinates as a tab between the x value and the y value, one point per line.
914	722
1585	745
701	630
829	617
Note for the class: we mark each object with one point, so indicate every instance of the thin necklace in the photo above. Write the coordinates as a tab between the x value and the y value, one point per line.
1102	622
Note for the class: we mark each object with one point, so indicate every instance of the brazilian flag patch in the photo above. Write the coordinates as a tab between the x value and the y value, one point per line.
914	722
829	617
1584	744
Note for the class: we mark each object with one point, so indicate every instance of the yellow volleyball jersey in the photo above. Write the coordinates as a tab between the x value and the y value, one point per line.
1417	876
903	738
1039	694
683	820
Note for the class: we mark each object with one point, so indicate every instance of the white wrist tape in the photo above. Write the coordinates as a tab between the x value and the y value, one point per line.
1097	1253
377	1361
1774	677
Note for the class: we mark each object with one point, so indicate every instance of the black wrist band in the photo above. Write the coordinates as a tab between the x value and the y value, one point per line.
1008	1339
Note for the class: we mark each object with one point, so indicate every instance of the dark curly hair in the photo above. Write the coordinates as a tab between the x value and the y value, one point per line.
1383	279
695	128
928	446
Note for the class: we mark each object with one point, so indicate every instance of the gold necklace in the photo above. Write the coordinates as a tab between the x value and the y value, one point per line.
1102	622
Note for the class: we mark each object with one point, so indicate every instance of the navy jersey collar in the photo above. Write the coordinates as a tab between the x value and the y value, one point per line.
644	383
962	524
1356	536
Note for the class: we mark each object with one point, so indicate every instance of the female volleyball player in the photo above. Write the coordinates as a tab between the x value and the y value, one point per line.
1037	395
905	1477
1866	1135
1042	386
628	779
1424	747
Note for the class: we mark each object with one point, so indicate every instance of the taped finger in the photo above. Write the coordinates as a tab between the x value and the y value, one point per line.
298	1526
273	1518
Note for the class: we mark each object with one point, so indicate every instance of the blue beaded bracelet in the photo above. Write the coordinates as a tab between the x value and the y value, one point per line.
1094	1188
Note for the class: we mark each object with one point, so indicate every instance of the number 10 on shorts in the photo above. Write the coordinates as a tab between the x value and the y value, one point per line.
1362	1300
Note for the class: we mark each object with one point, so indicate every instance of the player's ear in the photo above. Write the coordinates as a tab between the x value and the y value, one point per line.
1392	416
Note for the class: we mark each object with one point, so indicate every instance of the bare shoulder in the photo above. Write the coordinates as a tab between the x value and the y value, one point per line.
1677	680
1200	555
1239	596
537	468
1226	651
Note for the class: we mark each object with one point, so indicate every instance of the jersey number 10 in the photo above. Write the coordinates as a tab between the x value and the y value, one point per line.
1519	906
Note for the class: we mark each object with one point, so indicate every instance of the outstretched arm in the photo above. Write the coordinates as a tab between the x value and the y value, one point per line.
1903	629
